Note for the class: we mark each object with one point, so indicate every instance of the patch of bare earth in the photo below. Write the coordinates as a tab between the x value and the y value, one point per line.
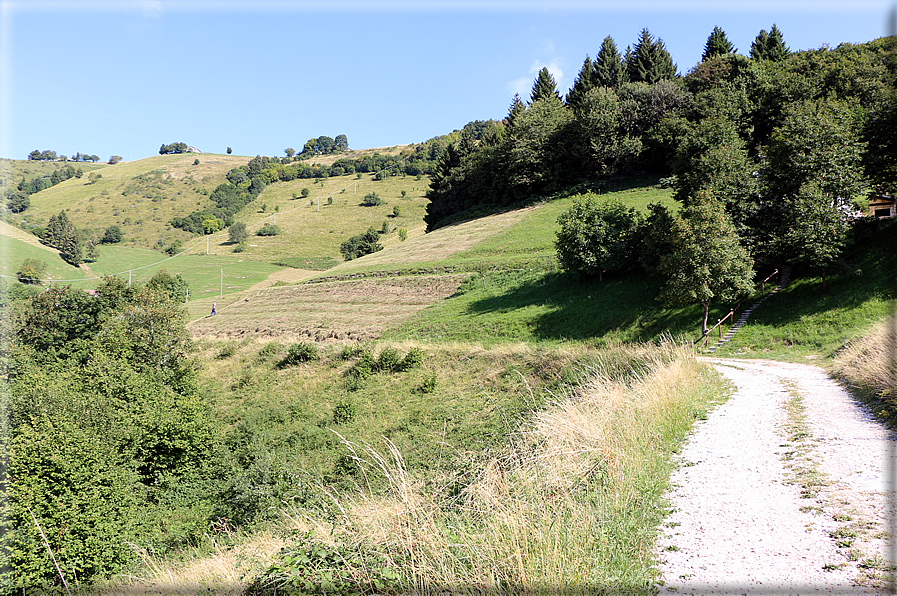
355	310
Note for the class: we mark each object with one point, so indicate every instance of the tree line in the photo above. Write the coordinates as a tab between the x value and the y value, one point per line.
50	155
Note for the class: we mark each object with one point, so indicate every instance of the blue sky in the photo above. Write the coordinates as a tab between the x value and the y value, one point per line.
122	78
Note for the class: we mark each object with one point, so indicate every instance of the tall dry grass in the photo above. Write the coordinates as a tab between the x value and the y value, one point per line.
571	506
870	364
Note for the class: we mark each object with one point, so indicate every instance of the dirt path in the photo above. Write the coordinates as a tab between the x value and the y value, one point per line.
787	488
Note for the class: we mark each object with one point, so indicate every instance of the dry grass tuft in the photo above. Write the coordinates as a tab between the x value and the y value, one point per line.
870	363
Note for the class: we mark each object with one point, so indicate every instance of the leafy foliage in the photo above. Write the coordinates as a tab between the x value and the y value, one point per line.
360	245
597	236
706	261
31	271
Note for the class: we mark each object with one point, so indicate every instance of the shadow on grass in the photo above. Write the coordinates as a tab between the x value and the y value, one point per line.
572	307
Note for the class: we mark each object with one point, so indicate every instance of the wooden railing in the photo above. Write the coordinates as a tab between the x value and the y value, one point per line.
704	339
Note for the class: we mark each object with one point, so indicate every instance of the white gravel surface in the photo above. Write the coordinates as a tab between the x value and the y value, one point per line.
740	524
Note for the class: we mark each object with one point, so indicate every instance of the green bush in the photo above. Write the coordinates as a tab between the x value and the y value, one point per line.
268	230
312	567
371	200
344	412
413	359
31	271
388	360
299	353
429	383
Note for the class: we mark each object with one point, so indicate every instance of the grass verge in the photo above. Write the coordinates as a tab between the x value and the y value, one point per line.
570	504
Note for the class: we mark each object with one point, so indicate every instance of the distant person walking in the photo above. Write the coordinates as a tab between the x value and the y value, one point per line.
213	310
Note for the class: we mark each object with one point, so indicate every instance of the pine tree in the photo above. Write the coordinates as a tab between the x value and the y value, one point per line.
585	80
609	70
517	107
649	62
769	46
717	45
544	87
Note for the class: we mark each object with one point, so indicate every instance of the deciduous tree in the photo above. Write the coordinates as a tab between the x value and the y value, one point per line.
706	263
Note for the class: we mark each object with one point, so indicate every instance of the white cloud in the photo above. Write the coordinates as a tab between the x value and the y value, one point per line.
524	85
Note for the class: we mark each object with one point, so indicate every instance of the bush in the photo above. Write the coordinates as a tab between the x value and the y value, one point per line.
237	232
429	383
31	271
371	200
268	230
388	360
344	412
112	235
403	234
413	359
299	353
360	245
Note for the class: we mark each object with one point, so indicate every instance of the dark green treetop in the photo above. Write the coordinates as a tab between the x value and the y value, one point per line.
649	61
544	87
717	45
609	70
769	46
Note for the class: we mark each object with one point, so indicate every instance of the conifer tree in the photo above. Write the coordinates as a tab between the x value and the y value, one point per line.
544	87
717	45
769	46
517	107
584	81
649	61
609	70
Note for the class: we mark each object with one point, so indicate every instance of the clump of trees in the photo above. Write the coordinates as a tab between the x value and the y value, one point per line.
17	197
173	148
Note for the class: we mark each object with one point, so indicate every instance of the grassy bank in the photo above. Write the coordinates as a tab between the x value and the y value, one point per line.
520	469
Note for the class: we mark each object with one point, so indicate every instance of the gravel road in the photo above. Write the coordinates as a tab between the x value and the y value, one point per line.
787	488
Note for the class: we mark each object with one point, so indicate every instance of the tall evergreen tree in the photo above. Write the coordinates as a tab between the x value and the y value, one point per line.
609	70
544	87
717	45
585	80
649	61
517	106
769	46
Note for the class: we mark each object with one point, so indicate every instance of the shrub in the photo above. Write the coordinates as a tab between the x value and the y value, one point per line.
31	271
413	359
403	234
268	230
397	211
360	245
299	353
112	235
429	383
240	247
344	412
388	360
371	200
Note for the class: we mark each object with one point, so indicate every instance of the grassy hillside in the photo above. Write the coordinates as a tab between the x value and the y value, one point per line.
141	196
144	195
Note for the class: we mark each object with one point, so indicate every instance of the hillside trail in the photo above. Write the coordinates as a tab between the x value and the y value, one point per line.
787	488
